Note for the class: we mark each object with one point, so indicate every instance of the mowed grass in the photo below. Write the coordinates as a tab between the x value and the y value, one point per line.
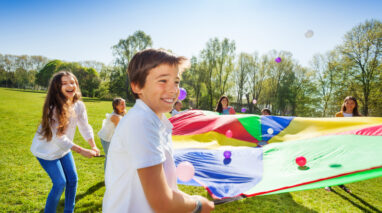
24	185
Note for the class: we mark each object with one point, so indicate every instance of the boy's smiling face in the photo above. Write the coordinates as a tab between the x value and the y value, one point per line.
161	89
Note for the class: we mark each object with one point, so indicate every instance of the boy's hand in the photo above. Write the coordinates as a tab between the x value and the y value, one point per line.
207	205
88	153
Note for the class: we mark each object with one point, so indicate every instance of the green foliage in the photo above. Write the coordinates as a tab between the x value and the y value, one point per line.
43	76
88	78
362	52
124	51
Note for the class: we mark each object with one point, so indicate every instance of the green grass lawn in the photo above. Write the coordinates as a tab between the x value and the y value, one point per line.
24	185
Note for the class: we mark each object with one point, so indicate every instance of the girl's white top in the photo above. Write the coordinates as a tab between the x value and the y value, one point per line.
59	146
347	114
108	127
174	112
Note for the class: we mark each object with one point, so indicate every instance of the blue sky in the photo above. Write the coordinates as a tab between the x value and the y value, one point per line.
87	29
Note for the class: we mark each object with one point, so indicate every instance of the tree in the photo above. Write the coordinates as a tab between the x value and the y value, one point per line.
241	75
362	49
326	67
193	79
225	64
43	76
218	58
88	78
21	76
124	51
209	55
256	78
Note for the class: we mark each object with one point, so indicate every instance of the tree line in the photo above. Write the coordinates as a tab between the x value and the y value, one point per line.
352	68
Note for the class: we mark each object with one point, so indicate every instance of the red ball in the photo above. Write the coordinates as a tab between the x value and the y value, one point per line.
301	161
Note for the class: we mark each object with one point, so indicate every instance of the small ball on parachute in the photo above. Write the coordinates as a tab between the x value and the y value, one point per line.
227	154
228	134
301	161
185	171
270	131
182	94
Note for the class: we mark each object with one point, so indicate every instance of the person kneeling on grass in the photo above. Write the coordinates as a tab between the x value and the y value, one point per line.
140	172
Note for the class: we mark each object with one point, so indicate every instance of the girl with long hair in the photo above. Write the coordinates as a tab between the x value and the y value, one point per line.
223	108
63	111
349	108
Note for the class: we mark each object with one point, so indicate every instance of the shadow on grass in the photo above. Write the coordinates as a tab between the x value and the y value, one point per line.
270	203
90	191
365	203
352	202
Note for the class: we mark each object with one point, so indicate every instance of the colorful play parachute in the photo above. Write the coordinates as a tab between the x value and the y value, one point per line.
264	149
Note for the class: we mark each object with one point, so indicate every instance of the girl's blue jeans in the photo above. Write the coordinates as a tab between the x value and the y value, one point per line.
63	174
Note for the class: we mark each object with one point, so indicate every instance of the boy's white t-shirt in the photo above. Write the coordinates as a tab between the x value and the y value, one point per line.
140	140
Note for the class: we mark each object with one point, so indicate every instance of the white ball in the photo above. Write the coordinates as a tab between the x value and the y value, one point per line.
309	34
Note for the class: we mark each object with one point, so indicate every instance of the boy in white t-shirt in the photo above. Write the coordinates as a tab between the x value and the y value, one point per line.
140	173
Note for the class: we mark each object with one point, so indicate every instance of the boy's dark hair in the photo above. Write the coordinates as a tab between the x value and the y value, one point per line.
145	60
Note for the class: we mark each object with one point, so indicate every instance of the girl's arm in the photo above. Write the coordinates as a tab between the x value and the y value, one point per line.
85	129
93	146
232	111
162	198
84	152
115	119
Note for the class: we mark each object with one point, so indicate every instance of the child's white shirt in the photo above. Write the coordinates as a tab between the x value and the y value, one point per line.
108	127
59	146
347	114
140	140
174	112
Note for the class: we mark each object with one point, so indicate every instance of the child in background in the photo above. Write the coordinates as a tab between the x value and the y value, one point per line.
349	108
177	108
109	124
265	111
62	113
140	174
223	108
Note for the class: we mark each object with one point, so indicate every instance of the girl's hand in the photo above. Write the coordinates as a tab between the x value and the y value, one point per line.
88	153
96	150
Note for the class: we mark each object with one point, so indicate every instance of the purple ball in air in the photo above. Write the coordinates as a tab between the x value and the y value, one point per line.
243	110
227	154
182	94
278	60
